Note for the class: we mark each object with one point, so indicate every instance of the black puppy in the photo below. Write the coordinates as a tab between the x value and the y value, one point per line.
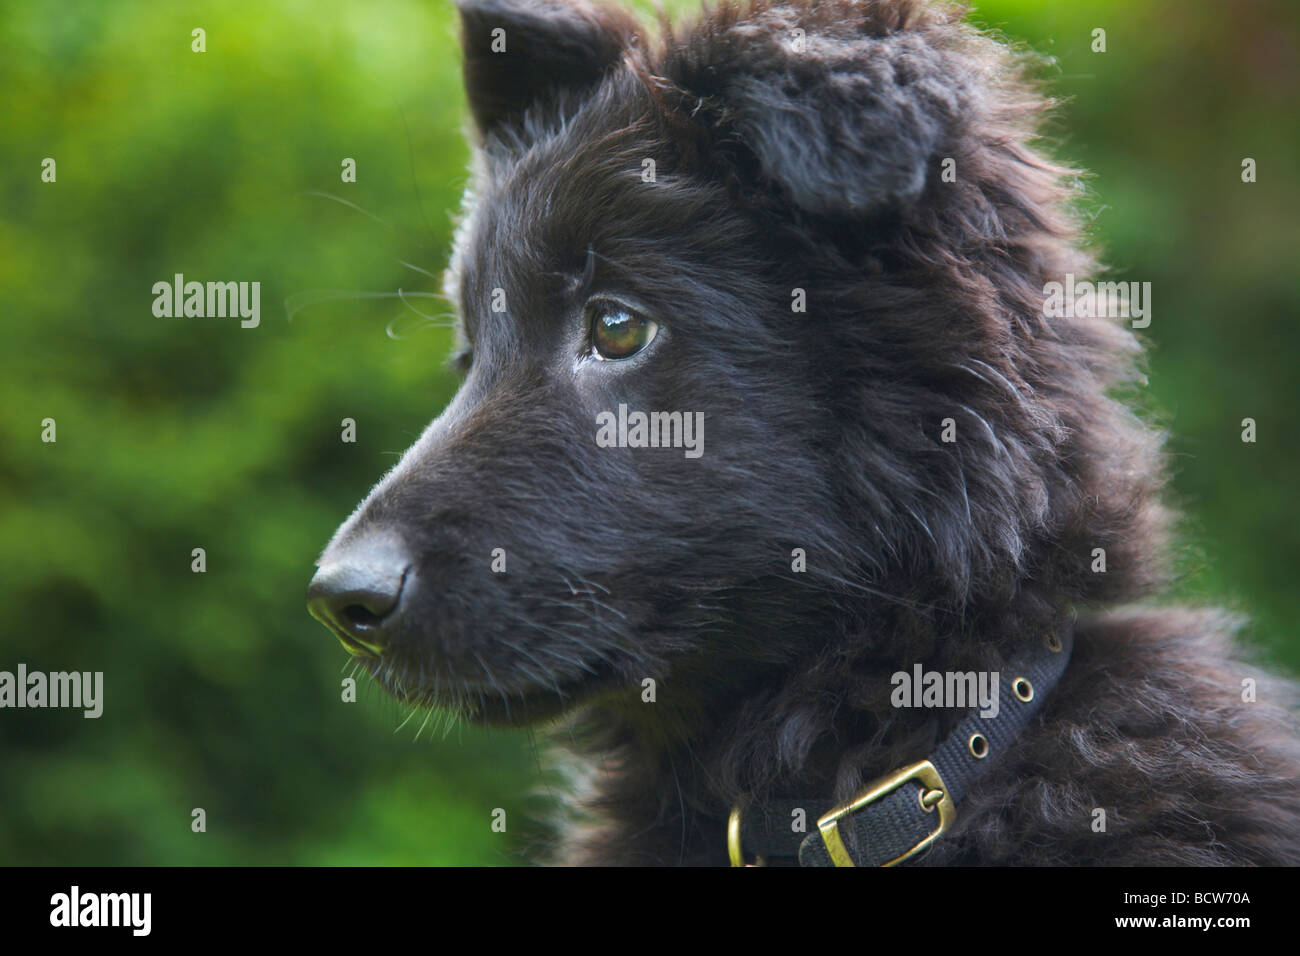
763	408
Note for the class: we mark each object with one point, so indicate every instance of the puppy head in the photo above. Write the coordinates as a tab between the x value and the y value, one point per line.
738	231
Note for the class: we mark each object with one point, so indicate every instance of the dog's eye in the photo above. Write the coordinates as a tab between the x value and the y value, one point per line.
618	332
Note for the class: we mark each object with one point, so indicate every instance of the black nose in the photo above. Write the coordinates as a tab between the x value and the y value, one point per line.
357	593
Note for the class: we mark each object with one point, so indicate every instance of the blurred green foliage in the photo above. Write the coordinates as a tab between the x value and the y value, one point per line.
174	434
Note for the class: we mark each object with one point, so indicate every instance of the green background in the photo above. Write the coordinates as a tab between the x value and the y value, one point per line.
221	692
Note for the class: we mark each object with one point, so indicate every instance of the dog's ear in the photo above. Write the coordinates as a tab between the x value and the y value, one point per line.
519	53
844	106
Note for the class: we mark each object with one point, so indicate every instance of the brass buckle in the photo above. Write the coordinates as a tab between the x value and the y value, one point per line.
734	850
926	774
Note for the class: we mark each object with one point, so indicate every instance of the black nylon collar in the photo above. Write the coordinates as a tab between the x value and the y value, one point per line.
898	816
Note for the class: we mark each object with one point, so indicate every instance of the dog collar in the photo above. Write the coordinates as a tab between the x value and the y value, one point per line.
898	816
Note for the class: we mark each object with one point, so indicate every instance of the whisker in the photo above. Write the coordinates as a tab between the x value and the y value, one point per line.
426	315
406	720
415	268
351	205
301	300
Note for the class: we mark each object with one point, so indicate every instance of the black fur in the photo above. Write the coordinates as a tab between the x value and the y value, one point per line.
817	168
